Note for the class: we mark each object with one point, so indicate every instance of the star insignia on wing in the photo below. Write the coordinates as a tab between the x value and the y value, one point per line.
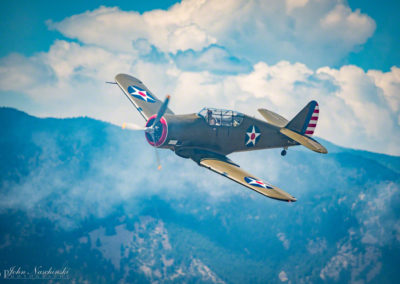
141	94
258	183
252	136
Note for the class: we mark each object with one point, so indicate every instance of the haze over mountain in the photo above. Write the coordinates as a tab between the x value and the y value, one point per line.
86	194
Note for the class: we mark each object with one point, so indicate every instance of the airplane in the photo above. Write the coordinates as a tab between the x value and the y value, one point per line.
207	137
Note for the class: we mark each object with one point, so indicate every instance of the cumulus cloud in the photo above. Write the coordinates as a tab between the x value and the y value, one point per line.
353	108
358	109
117	30
214	59
67	80
342	22
306	31
389	82
221	67
367	107
18	72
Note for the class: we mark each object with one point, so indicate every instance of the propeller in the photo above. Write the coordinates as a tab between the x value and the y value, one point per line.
152	128
162	110
132	126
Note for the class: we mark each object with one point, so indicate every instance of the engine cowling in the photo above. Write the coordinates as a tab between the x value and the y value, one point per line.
160	131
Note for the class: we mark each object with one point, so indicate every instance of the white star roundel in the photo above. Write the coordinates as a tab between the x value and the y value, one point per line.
258	183
252	136
140	94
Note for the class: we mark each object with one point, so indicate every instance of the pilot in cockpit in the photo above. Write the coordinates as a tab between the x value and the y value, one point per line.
210	118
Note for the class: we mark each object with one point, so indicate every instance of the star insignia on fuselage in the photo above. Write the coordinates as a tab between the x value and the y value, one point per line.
140	94
252	136
258	183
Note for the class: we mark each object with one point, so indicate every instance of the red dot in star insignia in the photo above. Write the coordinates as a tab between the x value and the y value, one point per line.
253	135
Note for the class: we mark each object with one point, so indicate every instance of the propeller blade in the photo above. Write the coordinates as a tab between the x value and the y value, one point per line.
150	129
132	126
155	149
162	110
158	159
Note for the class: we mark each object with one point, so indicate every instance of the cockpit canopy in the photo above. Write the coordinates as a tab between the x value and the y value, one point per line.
221	117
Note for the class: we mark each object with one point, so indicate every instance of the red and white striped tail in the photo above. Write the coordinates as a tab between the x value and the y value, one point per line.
312	124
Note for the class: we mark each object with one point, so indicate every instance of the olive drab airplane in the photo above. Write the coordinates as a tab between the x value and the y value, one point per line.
209	136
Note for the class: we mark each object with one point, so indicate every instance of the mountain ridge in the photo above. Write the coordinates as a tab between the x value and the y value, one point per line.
63	180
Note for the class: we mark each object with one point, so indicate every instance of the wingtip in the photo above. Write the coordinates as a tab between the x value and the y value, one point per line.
323	150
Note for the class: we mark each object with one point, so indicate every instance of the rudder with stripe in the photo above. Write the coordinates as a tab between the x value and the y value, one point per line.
306	120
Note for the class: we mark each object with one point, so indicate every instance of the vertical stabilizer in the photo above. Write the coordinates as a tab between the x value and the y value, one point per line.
306	120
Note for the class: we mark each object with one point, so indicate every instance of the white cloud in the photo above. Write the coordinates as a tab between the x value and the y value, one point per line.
213	59
354	111
342	22
358	109
117	30
69	80
390	83
306	31
363	107
18	72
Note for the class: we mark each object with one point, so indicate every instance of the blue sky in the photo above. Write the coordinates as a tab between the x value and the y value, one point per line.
381	50
55	57
24	30
23	26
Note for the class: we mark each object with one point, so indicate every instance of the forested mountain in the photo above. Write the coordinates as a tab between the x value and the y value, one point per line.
85	194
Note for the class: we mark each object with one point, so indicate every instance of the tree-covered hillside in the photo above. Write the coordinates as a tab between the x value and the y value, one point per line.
86	195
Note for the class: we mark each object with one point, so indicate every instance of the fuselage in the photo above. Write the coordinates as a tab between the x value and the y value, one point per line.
193	131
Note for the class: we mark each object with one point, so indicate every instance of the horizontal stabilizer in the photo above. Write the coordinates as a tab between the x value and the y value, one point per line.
305	141
273	118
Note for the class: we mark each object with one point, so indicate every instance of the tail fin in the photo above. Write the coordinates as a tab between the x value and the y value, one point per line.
305	121
302	127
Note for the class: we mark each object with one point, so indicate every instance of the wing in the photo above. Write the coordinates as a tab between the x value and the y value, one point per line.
145	102
227	168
